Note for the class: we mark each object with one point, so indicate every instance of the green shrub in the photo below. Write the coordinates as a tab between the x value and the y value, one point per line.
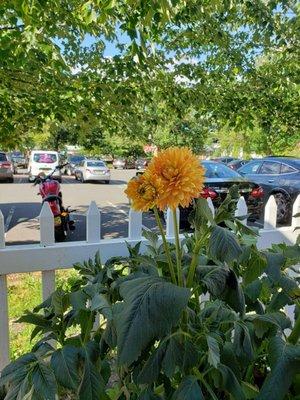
131	329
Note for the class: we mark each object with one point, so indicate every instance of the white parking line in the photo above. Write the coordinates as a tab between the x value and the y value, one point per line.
125	213
9	218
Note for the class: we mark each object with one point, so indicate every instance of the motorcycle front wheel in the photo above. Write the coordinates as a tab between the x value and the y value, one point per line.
59	234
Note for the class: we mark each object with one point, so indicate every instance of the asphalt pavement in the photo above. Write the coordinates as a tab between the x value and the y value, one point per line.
21	206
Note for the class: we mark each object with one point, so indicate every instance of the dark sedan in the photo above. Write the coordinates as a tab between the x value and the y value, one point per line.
278	176
218	180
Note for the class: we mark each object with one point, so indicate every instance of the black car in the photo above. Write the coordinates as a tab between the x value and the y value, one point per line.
73	161
278	176
218	180
236	164
224	160
18	160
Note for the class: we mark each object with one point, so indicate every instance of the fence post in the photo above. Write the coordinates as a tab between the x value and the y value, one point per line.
135	224
4	323
241	209
47	239
170	229
296	210
2	231
93	224
211	206
270	217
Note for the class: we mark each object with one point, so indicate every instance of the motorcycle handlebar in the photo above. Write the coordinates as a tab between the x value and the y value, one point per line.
40	178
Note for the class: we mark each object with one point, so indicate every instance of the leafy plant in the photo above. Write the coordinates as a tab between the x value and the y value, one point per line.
125	330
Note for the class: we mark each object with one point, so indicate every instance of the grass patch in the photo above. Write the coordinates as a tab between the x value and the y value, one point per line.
24	293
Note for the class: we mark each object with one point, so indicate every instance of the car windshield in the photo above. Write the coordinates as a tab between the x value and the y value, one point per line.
95	164
46	158
217	170
76	159
3	157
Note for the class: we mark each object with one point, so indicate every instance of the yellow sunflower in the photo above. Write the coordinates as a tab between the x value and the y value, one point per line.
143	192
180	174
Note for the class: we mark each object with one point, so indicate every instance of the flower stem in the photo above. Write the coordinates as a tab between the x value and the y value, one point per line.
166	246
194	261
178	249
295	334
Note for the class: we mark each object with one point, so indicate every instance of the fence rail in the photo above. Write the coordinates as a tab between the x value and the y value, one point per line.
48	256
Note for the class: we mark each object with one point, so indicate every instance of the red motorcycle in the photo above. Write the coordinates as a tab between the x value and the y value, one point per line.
50	191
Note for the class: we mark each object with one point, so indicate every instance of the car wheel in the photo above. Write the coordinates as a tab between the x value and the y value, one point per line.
107	182
283	208
76	177
10	180
82	179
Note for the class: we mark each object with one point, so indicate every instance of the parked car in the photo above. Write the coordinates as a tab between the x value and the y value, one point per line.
43	162
218	180
224	160
19	161
124	163
141	163
6	168
236	164
73	161
278	176
92	170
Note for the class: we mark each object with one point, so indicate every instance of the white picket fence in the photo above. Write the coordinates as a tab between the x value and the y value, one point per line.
48	256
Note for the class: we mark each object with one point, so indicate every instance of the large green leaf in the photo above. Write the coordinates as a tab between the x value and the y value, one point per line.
285	363
44	382
92	385
189	389
213	351
223	245
213	277
64	363
271	322
17	370
151	308
230	383
242	342
255	265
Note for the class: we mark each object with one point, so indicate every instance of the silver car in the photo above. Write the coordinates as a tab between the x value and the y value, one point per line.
6	168
92	170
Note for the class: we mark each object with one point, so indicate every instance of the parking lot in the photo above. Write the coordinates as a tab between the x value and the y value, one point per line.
21	206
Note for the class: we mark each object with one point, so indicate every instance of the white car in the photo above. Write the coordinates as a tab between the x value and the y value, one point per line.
43	162
92	170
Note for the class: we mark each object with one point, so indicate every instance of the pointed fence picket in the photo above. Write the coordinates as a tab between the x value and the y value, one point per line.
48	255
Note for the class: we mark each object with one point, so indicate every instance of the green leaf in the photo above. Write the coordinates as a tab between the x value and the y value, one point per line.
213	277
213	351
249	390
201	215
233	294
152	367
59	302
276	321
285	363
101	304
173	357
189	389
223	245
230	383
17	370
253	290
64	363
92	385
148	394
242	342
255	266
44	382
151	308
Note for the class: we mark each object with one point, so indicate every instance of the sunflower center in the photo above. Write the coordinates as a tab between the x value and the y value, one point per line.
170	173
147	192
